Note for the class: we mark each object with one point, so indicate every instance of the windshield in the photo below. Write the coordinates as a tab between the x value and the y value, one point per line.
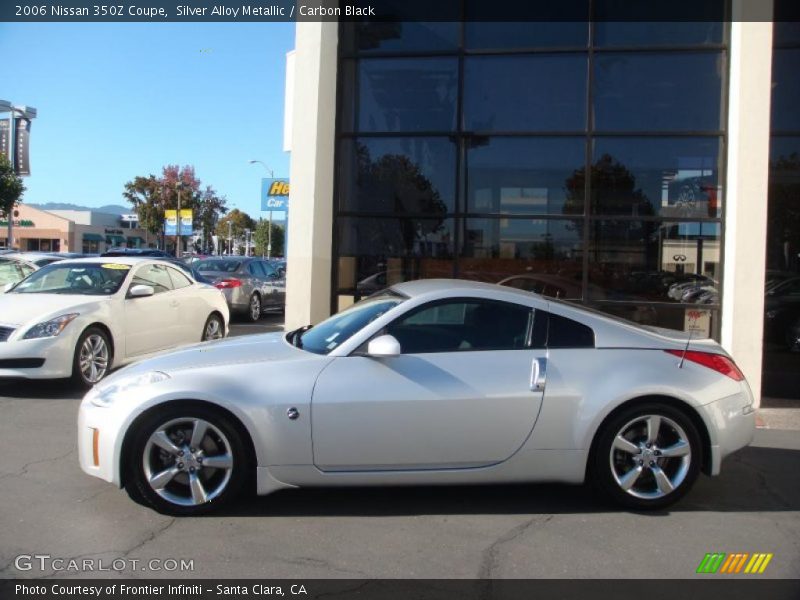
219	266
333	332
97	279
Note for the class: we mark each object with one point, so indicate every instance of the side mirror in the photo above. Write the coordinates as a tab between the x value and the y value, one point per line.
141	291
384	345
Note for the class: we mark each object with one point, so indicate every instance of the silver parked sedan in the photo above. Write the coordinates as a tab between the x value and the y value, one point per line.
428	382
250	285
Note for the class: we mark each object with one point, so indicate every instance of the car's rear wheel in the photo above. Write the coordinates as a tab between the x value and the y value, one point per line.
254	309
647	456
92	359
186	461
214	329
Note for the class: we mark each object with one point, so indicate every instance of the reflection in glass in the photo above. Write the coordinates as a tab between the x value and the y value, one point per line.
704	319
525	93
650	260
495	249
485	35
658	91
397	36
398	175
785	113
405	94
523	175
377	252
670	177
783	220
661	33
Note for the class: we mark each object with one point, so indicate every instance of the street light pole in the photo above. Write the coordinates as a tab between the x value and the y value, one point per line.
178	187
26	112
269	229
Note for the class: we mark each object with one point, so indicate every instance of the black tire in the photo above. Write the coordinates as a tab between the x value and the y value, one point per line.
605	469
252	314
207	328
78	377
137	483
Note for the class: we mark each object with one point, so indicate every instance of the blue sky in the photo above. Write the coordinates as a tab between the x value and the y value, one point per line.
120	100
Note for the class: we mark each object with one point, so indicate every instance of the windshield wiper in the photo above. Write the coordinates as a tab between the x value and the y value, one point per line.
296	336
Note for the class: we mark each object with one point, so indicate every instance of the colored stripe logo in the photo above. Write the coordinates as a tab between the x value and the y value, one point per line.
735	563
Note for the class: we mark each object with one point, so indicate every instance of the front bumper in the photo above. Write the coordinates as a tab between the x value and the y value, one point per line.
56	352
732	426
100	458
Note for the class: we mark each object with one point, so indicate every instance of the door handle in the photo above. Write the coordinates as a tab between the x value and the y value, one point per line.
538	374
174	303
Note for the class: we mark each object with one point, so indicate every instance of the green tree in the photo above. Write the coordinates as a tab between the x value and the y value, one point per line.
150	196
11	188
261	238
239	222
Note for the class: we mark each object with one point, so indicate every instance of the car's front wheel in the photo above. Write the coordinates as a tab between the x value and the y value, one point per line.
92	358
214	329
186	460
647	456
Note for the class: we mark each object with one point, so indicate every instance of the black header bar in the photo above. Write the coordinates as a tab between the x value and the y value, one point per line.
189	11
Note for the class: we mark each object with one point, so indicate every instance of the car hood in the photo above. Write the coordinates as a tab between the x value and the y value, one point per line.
265	347
19	309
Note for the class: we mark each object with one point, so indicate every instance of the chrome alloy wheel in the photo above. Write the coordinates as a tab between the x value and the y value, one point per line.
188	461
213	330
93	358
650	457
255	307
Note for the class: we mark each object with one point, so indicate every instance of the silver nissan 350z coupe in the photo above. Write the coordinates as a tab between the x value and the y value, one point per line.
427	382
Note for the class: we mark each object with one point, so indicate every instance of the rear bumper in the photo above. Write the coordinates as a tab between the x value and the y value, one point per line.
732	426
237	299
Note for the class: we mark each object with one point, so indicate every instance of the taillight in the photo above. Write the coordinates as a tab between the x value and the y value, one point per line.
718	362
228	283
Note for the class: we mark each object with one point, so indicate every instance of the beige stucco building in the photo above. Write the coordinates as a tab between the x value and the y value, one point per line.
84	231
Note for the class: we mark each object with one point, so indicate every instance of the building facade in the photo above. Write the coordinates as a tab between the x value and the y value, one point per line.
84	231
619	165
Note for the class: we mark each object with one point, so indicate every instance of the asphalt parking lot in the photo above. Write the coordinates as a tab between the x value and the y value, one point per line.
49	507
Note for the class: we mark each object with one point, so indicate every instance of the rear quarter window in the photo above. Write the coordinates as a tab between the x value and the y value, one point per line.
567	333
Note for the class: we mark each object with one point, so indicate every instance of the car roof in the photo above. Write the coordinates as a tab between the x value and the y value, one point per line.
116	260
419	287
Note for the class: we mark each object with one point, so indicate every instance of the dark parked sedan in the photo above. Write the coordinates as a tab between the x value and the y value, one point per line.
782	314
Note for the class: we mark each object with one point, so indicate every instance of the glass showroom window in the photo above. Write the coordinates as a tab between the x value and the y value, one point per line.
579	160
781	314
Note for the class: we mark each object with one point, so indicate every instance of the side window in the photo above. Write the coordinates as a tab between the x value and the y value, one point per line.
9	273
254	268
270	271
460	325
566	333
179	280
26	269
153	275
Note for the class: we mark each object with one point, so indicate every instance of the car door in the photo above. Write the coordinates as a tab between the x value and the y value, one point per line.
275	288
465	392
191	308
151	322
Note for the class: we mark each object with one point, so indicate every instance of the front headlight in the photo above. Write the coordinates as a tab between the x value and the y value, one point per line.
49	328
104	396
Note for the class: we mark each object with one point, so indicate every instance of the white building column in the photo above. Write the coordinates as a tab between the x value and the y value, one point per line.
312	134
746	189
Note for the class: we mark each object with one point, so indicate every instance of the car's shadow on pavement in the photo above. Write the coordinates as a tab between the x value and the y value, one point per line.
757	479
44	389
